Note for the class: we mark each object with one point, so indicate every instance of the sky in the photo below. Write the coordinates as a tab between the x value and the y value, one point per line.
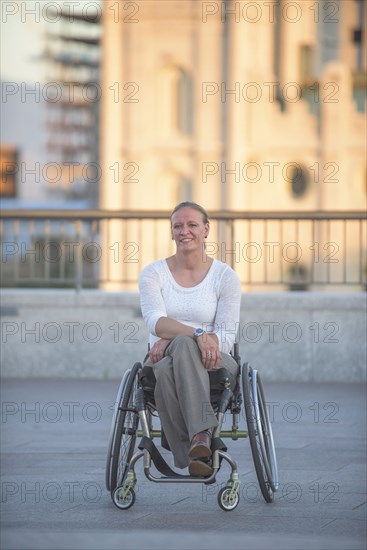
23	25
21	44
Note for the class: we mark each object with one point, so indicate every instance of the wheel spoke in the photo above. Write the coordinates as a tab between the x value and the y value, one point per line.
125	431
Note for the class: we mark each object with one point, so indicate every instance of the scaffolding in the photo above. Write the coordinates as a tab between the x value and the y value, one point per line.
73	103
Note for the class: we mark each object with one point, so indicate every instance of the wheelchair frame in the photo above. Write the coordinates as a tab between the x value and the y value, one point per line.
132	408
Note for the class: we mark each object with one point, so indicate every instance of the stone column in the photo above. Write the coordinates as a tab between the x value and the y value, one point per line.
112	139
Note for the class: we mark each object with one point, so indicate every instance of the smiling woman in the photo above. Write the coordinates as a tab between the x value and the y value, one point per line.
190	304
189	227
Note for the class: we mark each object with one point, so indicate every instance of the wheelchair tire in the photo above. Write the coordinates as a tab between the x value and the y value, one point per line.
260	432
118	404
125	432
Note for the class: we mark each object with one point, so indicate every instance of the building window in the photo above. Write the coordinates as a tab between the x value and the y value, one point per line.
358	39
310	85
9	169
175	107
277	55
306	62
299	181
184	114
358	35
360	91
185	190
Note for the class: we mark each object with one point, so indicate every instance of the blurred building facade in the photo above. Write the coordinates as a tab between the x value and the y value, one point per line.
72	52
241	106
51	123
236	105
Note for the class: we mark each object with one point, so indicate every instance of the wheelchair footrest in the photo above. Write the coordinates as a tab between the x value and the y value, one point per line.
147	444
158	460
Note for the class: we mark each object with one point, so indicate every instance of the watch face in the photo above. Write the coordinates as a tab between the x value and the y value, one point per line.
199	332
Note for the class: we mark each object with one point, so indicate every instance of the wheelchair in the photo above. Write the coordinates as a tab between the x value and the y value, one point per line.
133	418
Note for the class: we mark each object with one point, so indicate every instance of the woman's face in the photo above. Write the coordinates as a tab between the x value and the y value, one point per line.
188	229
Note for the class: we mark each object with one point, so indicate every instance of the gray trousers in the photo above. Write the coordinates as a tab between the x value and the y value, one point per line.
182	394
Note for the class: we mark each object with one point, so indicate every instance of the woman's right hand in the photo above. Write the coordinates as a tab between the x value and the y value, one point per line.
210	354
156	353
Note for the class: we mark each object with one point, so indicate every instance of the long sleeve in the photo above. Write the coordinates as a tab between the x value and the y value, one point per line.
151	299
228	310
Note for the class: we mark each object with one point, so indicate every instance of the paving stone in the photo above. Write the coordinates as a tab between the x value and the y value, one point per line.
53	489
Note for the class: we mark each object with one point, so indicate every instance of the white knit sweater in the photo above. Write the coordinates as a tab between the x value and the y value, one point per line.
213	304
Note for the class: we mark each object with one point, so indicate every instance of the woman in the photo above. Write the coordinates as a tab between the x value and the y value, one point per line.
190	303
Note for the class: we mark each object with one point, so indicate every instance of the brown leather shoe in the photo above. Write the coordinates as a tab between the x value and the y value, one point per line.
200	446
198	467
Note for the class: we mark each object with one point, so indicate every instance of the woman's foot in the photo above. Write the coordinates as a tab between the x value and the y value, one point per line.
200	445
199	467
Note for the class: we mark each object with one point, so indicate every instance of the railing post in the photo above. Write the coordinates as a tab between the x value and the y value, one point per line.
79	259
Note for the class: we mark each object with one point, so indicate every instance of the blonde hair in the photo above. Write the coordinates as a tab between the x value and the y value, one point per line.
195	206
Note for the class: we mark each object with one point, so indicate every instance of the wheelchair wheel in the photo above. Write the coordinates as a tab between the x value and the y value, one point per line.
226	500
127	502
260	432
118	404
125	432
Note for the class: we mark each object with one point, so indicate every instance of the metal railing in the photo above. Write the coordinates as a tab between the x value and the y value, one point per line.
108	249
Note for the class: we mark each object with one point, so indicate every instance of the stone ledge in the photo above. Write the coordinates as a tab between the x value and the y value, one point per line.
100	298
288	336
62	297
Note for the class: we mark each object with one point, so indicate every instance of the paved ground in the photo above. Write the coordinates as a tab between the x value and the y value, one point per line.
54	438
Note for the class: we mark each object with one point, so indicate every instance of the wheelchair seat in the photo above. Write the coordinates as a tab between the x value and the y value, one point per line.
218	380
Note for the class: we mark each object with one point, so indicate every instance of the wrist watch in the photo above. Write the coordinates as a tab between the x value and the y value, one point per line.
198	332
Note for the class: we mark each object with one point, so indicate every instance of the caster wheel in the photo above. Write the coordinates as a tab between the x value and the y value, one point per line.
226	501
127	502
